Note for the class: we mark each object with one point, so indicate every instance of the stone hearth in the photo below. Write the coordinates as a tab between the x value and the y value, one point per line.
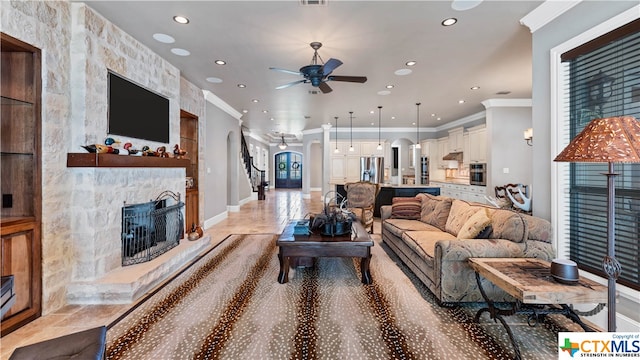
126	284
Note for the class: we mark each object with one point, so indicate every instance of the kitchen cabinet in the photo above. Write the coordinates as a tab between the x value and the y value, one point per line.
464	192
477	144
345	168
20	217
443	149
456	139
371	149
466	150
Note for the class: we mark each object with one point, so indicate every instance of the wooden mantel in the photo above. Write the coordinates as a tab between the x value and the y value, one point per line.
114	160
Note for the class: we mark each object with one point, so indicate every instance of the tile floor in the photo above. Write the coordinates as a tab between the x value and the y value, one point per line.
268	216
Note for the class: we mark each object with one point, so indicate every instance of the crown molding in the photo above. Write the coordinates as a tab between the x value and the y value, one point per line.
547	12
489	103
222	105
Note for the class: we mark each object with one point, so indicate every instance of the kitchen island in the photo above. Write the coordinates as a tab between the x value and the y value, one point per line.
389	191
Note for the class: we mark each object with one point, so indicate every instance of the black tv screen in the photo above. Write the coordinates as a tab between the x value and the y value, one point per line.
137	112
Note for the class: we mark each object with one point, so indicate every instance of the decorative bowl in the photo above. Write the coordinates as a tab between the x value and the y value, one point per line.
565	271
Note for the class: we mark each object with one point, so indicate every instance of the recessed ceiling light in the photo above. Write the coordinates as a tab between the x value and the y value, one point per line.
271	119
180	19
402	72
384	92
393	118
372	124
164	38
389	86
460	101
255	100
245	111
433	114
475	87
439	119
220	62
413	123
214	80
449	21
180	52
372	112
242	86
410	63
265	111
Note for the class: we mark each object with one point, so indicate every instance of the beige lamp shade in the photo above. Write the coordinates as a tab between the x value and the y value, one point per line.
613	139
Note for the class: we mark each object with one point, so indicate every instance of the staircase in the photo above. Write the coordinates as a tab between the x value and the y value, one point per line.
256	176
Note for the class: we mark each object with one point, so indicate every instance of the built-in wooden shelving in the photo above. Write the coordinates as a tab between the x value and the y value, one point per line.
114	160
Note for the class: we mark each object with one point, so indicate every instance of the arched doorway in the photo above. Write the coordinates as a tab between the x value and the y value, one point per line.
288	170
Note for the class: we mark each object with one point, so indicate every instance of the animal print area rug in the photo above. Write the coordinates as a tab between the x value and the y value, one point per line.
229	305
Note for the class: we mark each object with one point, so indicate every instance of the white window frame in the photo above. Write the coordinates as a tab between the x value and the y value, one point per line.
560	138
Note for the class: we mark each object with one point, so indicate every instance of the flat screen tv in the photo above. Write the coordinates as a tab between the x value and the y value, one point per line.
137	112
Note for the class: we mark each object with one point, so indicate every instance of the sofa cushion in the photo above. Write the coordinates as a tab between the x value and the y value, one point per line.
424	243
435	210
460	212
398	226
475	224
539	229
406	208
508	225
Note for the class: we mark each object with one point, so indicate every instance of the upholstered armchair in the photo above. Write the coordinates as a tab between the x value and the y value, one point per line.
361	200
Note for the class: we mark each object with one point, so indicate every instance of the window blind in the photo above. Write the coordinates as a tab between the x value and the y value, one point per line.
603	81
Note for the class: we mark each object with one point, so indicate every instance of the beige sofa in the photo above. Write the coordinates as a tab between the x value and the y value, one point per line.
436	239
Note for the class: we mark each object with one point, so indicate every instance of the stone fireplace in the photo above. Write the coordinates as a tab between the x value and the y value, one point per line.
97	272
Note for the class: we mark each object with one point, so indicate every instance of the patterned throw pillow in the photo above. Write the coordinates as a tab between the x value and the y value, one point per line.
405	208
435	210
475	224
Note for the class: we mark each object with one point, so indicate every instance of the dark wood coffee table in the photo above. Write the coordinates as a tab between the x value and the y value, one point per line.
292	245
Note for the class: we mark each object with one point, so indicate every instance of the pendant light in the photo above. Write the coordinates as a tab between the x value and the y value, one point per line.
336	150
379	121
282	145
351	130
418	127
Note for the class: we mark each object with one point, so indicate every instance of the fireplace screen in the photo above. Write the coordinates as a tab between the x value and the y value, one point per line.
151	229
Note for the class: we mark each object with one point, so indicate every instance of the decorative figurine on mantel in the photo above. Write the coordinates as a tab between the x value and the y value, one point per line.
96	148
178	152
132	151
162	152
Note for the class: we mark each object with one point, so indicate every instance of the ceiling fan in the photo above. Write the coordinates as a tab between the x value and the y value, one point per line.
319	74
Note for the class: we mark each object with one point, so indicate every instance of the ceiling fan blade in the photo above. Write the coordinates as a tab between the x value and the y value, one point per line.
290	84
286	71
325	88
329	66
356	79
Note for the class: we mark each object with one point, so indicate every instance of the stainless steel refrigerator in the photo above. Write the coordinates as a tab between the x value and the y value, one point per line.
372	169
424	170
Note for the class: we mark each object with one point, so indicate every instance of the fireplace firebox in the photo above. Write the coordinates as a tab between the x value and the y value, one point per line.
150	229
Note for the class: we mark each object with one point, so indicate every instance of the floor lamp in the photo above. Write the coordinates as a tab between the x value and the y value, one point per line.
610	140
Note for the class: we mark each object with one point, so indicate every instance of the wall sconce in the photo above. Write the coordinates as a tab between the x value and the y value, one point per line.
528	136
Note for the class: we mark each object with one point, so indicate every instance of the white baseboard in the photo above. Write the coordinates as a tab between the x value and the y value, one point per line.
216	219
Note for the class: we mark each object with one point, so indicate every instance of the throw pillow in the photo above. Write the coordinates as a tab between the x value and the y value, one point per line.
405	208
475	224
435	210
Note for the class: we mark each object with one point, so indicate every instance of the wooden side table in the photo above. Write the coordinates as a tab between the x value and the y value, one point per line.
530	282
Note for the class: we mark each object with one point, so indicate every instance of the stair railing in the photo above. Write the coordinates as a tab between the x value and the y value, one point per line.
256	176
